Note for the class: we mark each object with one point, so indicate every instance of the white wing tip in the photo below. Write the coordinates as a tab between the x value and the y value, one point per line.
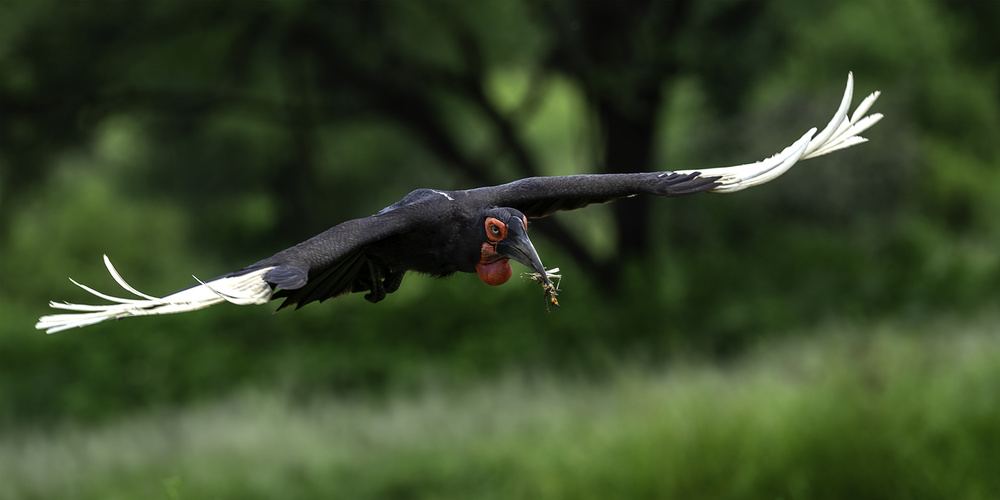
843	131
243	289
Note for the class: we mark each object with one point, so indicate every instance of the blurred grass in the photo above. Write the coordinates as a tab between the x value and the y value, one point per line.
894	410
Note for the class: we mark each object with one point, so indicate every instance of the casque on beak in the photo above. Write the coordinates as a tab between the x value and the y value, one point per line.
518	247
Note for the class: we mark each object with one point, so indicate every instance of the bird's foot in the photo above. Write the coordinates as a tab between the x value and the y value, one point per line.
392	281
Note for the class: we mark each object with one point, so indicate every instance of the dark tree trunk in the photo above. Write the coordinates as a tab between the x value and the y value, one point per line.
623	53
628	147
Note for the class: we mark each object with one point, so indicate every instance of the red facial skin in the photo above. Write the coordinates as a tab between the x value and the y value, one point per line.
493	268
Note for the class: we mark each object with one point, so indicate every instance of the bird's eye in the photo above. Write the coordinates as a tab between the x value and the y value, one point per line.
495	230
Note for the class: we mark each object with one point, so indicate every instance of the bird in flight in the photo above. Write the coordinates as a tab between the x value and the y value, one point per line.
443	232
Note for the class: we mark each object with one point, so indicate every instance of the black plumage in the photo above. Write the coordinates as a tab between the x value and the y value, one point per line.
441	232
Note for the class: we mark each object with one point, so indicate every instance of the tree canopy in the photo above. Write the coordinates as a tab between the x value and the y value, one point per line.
198	137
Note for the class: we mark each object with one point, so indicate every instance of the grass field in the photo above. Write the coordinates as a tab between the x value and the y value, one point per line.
887	411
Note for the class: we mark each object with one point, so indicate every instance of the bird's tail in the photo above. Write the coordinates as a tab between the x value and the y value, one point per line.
241	288
843	131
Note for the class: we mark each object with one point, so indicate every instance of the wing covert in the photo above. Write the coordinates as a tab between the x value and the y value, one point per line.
542	196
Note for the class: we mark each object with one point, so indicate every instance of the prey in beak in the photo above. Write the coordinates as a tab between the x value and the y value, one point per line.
517	246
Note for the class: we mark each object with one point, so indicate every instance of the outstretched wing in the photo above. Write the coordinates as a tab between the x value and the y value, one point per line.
330	264
542	196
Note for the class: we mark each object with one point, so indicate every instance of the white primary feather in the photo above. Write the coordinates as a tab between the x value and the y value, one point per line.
842	132
244	289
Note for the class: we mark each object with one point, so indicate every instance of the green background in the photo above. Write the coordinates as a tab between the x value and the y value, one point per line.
831	334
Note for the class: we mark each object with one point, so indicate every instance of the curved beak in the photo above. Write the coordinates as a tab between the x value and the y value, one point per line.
518	247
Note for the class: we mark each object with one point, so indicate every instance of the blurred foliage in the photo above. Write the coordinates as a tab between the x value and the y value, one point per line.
198	137
894	410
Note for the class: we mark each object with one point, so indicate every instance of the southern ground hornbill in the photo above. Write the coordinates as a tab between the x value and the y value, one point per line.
443	232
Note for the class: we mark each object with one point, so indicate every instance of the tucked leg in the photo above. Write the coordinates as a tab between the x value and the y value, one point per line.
378	289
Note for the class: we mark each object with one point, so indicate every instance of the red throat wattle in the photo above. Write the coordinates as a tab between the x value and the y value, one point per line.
493	269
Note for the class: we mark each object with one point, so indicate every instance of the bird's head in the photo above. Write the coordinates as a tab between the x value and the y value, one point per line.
505	236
